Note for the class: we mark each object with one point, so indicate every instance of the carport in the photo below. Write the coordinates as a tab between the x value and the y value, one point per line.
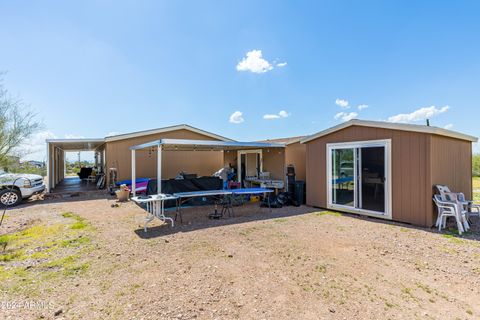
56	149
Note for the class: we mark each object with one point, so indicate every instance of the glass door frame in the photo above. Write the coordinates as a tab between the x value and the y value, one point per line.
355	145
259	166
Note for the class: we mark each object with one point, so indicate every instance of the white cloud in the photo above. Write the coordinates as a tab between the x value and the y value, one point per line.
448	126
73	136
418	115
281	64
344	116
34	147
113	133
271	116
342	103
236	117
362	106
254	62
281	114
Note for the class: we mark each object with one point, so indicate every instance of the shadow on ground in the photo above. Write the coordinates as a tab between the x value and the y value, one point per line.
196	219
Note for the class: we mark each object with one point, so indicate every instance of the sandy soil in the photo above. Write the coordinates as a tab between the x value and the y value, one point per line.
291	263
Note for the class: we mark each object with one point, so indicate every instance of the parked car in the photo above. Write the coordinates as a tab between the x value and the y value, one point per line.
16	187
346	169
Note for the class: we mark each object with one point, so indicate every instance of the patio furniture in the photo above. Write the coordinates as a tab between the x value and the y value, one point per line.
155	206
448	208
470	207
226	198
91	178
85	173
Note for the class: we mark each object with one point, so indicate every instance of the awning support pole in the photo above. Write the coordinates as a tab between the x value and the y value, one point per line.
159	169
49	179
133	173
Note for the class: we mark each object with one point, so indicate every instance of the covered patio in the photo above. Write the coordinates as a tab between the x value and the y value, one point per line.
57	181
265	157
72	184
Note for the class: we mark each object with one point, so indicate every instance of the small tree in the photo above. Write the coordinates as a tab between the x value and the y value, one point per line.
17	122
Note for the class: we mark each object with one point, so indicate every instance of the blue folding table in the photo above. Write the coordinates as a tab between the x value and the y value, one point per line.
225	195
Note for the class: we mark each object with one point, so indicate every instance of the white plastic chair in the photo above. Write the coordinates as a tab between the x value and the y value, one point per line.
471	209
449	209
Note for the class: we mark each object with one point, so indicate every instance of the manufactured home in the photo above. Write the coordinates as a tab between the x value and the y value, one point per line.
265	163
386	170
380	169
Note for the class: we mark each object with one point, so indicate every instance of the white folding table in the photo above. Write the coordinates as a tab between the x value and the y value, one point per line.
155	207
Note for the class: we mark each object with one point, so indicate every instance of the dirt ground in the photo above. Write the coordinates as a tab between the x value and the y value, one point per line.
291	263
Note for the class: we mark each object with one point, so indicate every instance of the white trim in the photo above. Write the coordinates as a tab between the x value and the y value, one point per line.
285	141
239	161
165	129
208	144
159	169
134	176
392	126
359	177
48	169
74	140
294	141
386	143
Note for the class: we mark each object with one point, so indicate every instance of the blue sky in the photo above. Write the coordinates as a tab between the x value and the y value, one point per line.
90	68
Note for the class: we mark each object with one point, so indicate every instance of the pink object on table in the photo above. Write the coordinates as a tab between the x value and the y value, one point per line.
140	187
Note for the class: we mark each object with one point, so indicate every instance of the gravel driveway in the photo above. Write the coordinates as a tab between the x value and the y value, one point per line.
291	263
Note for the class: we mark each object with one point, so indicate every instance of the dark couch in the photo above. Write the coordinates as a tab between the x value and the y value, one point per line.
85	173
185	185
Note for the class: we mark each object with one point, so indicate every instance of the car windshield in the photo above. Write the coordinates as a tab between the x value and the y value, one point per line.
346	164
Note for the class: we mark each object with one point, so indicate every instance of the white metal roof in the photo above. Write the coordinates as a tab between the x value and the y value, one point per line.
205	145
392	126
287	141
165	129
76	144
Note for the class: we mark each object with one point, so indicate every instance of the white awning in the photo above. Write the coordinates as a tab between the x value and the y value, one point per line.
205	145
72	145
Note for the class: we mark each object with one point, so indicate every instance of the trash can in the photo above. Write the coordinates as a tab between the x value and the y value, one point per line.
299	192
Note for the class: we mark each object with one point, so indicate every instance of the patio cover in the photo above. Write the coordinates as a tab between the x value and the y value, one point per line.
56	149
193	145
72	145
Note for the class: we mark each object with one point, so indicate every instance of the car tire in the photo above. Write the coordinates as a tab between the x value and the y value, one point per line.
10	197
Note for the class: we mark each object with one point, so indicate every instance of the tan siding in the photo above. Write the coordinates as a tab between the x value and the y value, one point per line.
295	154
118	156
451	163
230	158
316	174
274	162
409	170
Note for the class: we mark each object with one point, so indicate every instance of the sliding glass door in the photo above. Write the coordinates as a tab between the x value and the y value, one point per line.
358	177
343	177
372	178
